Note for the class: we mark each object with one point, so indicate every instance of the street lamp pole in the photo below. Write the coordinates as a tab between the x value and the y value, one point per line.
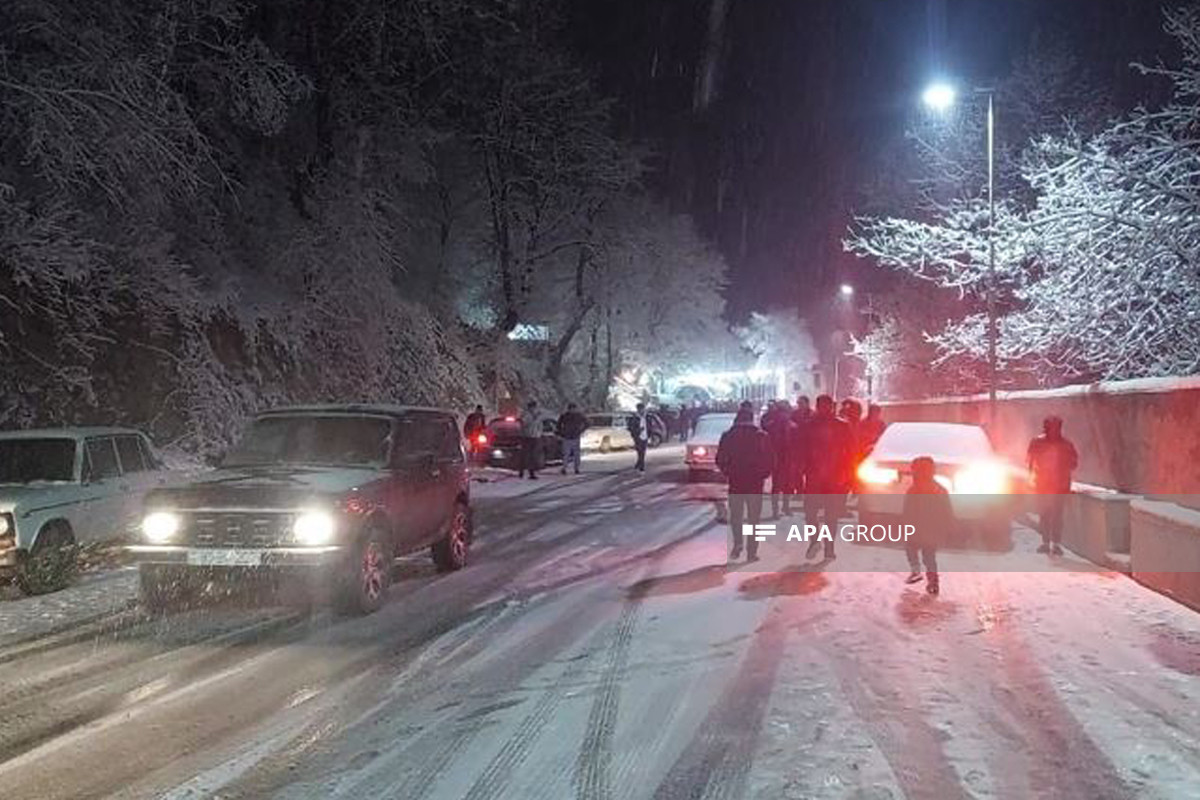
941	97
993	330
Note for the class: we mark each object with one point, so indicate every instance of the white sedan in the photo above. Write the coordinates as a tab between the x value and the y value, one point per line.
67	486
981	483
701	453
606	432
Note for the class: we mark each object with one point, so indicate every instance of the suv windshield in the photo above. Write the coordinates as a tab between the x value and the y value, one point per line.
313	440
32	460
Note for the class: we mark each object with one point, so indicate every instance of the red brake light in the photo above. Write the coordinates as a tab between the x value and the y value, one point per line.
481	438
510	419
699	451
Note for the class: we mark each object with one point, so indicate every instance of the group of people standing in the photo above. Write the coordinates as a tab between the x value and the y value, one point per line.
816	454
804	451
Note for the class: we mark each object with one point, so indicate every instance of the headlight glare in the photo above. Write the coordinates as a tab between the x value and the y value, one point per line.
160	527
313	528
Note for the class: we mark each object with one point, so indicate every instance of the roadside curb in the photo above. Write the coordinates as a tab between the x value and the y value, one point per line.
107	622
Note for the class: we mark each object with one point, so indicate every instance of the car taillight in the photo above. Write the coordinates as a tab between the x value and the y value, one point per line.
357	505
986	477
481	438
700	451
872	473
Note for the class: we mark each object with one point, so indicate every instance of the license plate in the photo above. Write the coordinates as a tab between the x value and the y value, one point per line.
224	558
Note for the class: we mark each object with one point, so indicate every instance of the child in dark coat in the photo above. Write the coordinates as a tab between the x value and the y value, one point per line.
927	508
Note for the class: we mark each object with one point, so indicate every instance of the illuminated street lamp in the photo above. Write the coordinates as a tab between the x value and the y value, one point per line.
847	291
940	97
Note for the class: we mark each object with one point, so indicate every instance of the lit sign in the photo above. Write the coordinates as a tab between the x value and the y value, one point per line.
530	333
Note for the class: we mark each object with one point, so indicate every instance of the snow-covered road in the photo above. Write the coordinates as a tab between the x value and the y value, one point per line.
598	648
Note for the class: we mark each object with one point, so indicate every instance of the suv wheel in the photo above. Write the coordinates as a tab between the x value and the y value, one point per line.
368	575
451	552
50	565
655	440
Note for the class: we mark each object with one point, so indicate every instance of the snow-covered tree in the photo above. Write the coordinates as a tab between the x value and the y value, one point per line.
1096	265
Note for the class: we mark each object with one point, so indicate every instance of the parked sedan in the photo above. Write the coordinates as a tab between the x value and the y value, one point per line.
980	482
607	432
504	443
62	487
701	453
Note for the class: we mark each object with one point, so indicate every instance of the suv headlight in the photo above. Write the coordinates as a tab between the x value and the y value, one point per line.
160	527
314	528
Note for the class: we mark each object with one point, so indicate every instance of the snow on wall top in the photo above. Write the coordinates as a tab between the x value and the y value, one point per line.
1137	386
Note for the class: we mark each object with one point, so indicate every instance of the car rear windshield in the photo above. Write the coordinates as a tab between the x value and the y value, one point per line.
713	427
906	441
32	460
313	440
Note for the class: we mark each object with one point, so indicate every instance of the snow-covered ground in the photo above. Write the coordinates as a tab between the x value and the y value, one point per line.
598	647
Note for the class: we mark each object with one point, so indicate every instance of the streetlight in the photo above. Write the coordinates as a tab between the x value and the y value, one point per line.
940	97
847	291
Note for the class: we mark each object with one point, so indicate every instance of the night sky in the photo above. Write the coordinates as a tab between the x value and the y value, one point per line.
807	95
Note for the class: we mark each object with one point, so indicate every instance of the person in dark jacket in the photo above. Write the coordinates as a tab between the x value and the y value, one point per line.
475	424
803	410
639	428
744	456
799	447
828	469
927	508
768	417
571	425
781	433
1052	459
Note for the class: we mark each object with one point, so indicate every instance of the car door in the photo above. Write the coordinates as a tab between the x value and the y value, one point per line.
446	477
415	470
551	442
104	512
138	476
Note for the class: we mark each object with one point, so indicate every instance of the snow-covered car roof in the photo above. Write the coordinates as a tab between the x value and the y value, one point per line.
69	433
942	441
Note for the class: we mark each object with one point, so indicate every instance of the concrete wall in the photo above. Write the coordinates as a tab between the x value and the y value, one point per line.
1138	437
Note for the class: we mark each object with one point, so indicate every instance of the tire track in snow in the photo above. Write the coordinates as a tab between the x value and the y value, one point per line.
716	763
592	780
495	777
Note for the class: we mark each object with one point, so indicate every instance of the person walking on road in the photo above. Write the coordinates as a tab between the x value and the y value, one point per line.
531	441
781	433
1051	459
927	508
744	456
828	469
571	425
475	424
639	429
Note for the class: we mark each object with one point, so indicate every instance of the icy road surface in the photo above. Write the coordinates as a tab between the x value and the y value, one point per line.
598	648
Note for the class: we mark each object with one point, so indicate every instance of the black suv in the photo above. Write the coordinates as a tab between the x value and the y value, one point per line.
331	494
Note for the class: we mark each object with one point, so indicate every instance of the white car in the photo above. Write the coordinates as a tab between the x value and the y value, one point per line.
61	487
981	483
606	432
701	453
